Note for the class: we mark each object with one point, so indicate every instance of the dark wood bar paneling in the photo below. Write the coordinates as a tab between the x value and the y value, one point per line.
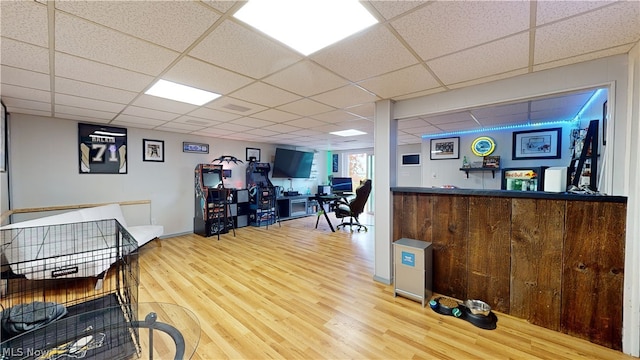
593	272
555	260
537	235
489	251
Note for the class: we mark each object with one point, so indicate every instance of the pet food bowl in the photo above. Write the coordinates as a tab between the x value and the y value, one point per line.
478	307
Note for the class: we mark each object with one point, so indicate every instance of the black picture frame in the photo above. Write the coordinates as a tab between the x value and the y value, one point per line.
604	123
152	150
102	149
537	144
411	159
334	163
192	147
253	154
445	148
4	148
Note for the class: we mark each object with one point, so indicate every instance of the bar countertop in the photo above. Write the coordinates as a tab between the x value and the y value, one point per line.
512	194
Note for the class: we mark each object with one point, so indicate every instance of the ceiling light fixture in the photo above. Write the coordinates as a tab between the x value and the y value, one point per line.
306	25
350	132
173	91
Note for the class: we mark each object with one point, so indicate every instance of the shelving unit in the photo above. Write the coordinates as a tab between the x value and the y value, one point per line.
480	169
588	156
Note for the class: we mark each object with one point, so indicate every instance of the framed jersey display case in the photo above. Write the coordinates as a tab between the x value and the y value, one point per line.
102	149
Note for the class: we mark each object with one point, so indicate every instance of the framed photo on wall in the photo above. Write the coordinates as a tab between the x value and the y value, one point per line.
102	149
445	148
253	154
334	163
152	150
191	147
537	144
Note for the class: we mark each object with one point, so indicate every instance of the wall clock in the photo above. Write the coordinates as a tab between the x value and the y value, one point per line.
483	146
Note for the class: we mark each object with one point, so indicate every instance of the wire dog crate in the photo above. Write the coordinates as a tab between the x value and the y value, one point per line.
69	290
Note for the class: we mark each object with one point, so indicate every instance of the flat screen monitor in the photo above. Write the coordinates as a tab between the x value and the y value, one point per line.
291	164
341	185
211	179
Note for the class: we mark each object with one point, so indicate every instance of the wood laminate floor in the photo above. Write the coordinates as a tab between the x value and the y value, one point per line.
295	292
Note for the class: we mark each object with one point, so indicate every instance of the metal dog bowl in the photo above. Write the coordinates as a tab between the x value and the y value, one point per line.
478	307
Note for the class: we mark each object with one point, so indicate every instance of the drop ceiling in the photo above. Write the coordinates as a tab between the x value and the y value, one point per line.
92	61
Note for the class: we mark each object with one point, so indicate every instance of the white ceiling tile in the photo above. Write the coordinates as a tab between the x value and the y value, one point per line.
486	79
448	118
261	132
88	40
233	127
80	102
190	120
131	119
306	78
24	78
211	114
490	59
76	68
274	115
236	106
460	24
24	56
365	110
158	103
60	110
463	125
549	11
84	118
589	32
412	124
25	21
250	121
285	136
126	124
305	123
160	22
345	97
623	49
217	132
401	82
306	132
236	48
305	107
93	91
201	75
179	127
391	9
352	58
282	128
265	94
222	6
19	92
149	113
27	104
421	93
336	116
17	110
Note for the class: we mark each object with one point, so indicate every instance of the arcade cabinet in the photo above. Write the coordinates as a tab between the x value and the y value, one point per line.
262	195
211	202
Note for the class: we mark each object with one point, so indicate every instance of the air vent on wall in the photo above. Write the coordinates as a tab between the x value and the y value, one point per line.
236	108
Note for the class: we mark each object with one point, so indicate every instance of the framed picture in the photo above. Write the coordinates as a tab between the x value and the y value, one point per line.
152	150
3	138
334	163
191	147
410	159
445	148
253	154
102	149
537	144
604	123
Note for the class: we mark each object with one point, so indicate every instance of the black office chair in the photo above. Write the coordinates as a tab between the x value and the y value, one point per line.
353	208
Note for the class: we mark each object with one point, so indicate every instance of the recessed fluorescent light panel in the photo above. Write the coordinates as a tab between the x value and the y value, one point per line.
306	25
170	90
350	132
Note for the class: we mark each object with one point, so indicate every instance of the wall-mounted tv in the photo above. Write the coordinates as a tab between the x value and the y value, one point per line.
292	164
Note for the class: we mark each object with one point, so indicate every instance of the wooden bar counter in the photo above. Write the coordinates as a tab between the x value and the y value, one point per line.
556	260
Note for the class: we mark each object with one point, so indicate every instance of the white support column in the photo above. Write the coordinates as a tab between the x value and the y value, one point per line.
385	143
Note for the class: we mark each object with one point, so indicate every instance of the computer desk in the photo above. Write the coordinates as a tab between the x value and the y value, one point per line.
328	200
